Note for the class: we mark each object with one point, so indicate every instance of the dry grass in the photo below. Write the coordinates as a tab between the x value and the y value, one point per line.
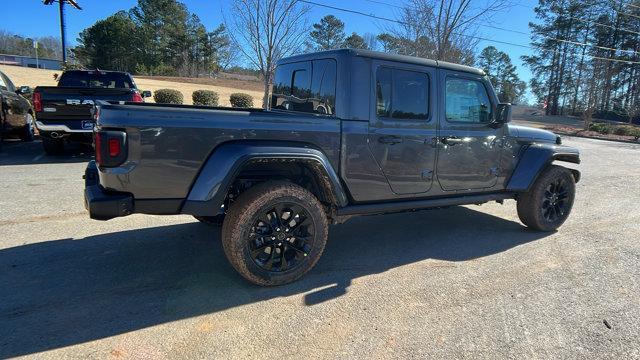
230	83
40	77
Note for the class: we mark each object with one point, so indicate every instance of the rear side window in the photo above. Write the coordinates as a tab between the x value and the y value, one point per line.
96	79
301	84
402	94
467	101
307	86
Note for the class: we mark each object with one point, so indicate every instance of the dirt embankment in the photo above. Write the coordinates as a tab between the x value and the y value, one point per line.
224	87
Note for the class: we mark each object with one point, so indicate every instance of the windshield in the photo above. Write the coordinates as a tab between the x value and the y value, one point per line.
96	79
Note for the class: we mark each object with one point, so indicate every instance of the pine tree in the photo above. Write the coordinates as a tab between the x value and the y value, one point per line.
328	34
502	74
355	41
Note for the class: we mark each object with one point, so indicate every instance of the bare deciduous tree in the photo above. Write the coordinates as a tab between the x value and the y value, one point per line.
454	21
441	29
266	31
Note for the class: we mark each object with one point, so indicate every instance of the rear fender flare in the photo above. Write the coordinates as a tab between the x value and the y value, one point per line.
535	158
218	173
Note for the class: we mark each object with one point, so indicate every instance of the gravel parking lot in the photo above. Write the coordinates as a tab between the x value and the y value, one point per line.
456	283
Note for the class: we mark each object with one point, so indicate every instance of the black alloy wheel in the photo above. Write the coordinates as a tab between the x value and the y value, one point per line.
555	203
281	238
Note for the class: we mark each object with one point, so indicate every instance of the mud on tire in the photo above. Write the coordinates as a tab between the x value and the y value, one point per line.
274	233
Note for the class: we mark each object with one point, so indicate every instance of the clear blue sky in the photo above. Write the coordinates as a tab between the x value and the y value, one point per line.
32	18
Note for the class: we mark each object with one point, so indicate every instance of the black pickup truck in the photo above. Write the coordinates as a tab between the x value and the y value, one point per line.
65	112
349	132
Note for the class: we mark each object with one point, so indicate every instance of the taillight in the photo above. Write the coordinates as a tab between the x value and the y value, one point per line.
136	97
114	147
111	147
37	101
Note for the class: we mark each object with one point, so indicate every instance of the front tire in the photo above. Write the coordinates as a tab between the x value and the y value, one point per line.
52	146
549	201
274	233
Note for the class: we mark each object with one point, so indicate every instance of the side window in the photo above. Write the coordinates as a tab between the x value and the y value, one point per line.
402	94
383	92
467	101
308	86
301	84
281	86
3	86
323	86
291	86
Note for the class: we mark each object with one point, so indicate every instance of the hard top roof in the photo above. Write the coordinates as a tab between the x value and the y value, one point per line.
384	56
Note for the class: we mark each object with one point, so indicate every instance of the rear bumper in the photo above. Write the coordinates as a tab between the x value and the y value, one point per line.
66	126
101	204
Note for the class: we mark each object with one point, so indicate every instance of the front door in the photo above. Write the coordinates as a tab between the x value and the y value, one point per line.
402	128
469	144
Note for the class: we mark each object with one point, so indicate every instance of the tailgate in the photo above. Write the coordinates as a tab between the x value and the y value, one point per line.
68	103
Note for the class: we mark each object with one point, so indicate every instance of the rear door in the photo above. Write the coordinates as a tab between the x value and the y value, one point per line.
469	145
402	127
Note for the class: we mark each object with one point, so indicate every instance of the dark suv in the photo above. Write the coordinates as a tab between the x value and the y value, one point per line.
16	114
393	133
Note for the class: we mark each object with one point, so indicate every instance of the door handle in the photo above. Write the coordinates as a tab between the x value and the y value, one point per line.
390	139
451	140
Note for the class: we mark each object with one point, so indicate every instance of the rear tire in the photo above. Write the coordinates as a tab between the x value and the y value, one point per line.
549	201
274	233
52	146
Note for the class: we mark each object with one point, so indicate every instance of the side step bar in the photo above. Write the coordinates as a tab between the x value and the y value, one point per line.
400	206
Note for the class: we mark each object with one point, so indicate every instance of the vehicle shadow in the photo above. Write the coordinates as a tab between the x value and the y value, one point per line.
70	291
16	152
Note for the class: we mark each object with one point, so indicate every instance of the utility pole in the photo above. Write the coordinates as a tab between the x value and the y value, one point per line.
35	45
63	37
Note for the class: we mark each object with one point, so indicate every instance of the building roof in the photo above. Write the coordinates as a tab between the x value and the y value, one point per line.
387	57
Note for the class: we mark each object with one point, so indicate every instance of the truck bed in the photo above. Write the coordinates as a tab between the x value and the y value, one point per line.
172	142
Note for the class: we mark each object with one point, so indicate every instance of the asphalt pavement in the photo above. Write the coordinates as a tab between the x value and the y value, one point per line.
463	282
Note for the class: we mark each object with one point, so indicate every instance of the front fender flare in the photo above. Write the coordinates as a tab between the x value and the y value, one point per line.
210	187
535	158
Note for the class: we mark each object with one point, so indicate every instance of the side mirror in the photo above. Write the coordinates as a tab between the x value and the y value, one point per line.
146	94
22	90
503	114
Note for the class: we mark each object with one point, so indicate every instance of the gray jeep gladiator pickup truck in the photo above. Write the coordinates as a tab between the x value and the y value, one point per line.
349	133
